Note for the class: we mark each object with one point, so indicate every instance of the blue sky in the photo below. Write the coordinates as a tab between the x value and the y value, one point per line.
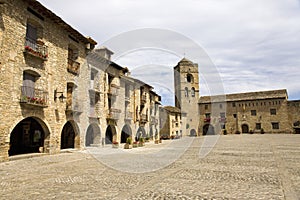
253	45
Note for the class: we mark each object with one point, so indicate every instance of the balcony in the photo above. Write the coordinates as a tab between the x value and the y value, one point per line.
127	99
114	114
34	97
207	120
128	115
113	90
143	118
143	99
73	107
222	120
73	66
36	49
154	121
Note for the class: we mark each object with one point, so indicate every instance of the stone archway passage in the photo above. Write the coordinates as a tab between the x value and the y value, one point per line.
110	133
208	129
245	128
126	132
67	136
193	133
141	133
93	135
28	137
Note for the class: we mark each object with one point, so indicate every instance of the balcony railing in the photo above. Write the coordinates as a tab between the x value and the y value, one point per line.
128	115
74	107
114	114
36	48
143	118
207	119
143	98
113	90
33	96
73	66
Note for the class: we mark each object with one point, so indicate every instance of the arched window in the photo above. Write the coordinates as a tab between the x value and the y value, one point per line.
186	92
193	92
189	78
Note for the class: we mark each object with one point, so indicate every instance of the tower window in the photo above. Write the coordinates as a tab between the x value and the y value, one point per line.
186	92
193	92
189	78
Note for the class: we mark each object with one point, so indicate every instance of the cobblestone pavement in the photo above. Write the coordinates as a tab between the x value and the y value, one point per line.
238	167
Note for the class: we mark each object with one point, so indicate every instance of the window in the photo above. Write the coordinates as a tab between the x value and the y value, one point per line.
189	78
221	106
233	104
28	88
222	115
234	116
206	107
186	92
273	111
31	33
258	126
275	125
253	112
193	92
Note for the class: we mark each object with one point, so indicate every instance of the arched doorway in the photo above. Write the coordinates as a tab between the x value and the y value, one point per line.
141	133
109	134
193	133
93	135
68	136
126	132
28	136
245	128
208	129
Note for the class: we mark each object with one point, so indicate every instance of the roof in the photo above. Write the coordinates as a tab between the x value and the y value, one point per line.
37	6
249	96
172	109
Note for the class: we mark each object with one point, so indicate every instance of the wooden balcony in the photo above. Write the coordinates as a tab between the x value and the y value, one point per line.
34	97
73	66
36	48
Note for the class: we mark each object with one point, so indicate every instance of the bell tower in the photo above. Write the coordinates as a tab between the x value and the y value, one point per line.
186	83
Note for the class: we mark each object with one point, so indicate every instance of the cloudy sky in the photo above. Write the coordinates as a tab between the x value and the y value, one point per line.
252	45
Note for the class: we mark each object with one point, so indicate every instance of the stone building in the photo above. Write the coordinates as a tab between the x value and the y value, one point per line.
170	122
252	112
57	92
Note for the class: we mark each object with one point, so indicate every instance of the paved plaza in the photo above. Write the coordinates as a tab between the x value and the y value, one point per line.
237	167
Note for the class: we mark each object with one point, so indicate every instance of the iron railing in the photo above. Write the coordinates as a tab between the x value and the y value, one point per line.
34	96
36	48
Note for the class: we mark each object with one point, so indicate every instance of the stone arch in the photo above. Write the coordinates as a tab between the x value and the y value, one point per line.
208	129
193	92
193	132
245	128
110	134
141	133
189	78
126	132
93	135
30	135
70	135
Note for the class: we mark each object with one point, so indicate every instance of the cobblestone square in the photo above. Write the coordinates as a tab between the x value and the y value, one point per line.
238	167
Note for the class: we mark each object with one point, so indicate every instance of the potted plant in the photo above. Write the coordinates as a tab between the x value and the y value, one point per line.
224	132
135	144
128	144
237	132
251	131
141	142
262	131
115	144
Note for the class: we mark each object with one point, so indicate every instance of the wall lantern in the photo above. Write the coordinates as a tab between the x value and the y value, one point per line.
61	97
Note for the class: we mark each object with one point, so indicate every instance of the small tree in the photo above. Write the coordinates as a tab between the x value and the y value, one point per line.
129	140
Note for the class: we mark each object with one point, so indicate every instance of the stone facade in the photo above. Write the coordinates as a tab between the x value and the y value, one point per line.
56	92
253	112
170	118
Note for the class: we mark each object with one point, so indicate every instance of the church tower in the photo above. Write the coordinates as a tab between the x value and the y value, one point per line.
186	83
